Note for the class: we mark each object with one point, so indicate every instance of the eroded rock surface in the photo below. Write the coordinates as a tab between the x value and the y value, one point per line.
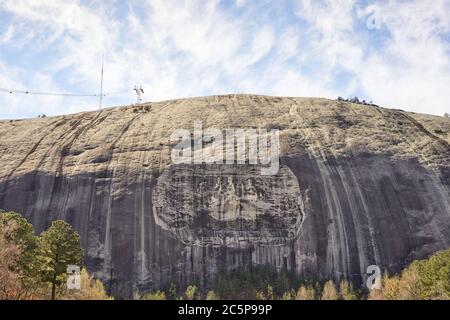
357	186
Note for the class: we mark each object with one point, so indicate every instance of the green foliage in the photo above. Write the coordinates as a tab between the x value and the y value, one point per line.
212	296
434	276
306	293
329	291
290	295
40	261
346	291
172	293
423	280
266	294
59	247
192	293
24	237
155	296
28	264
258	282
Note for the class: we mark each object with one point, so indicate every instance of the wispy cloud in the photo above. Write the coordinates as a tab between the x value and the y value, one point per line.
180	48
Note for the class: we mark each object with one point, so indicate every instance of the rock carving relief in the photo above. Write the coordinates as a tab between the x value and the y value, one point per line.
228	205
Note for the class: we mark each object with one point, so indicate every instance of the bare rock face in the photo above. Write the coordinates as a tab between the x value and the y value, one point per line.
357	186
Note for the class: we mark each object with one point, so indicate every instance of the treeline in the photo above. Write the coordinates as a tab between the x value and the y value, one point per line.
423	280
258	283
327	292
357	101
35	267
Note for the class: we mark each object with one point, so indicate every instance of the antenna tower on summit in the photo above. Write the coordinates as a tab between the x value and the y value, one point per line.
101	86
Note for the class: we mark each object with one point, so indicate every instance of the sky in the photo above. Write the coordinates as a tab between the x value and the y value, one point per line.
394	53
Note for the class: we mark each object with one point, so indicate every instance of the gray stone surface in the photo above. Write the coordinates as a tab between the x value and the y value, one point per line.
357	186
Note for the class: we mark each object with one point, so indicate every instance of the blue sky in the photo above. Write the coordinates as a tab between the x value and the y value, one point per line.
395	53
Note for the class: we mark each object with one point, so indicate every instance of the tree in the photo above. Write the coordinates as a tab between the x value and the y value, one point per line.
389	289
434	274
191	293
409	283
155	296
422	280
446	115
27	264
346	291
172	292
289	295
10	284
212	296
59	247
306	293
329	291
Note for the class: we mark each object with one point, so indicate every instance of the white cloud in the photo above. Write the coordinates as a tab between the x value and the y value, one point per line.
181	48
413	70
240	3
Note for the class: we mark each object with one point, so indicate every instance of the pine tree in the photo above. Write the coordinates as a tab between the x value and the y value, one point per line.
306	293
346	291
212	296
434	276
191	293
172	292
389	289
329	291
27	263
289	295
10	285
155	296
409	283
270	294
59	247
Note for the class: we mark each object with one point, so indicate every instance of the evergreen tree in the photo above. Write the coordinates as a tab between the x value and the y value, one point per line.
306	293
346	291
434	276
191	293
329	291
10	284
172	292
22	236
155	296
289	295
389	289
409	283
59	247
211	296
